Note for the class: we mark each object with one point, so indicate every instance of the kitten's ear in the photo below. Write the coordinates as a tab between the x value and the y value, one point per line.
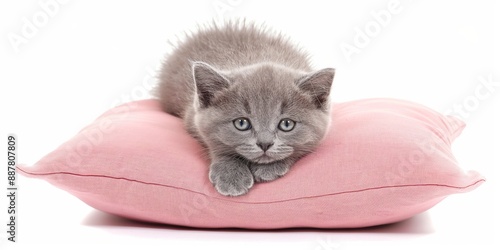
318	84
208	81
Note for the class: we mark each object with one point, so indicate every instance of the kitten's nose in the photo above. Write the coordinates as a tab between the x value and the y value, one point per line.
264	146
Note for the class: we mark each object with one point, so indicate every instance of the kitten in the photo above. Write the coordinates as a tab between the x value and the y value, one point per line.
251	97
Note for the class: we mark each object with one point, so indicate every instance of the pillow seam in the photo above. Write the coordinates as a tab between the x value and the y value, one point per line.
257	202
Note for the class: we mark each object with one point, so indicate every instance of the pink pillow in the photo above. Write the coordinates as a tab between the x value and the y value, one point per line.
382	161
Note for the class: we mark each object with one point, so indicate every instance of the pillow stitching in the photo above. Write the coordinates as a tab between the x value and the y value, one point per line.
259	202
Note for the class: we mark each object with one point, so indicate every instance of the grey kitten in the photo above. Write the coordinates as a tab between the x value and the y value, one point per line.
252	99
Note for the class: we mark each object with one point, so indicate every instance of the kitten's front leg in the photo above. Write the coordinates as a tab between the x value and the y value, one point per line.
271	171
230	176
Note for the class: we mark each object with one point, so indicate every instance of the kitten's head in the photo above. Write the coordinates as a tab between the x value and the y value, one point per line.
263	113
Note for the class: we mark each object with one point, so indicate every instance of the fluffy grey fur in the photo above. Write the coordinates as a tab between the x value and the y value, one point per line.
251	97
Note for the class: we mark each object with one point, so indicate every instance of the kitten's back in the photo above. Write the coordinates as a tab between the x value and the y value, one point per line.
227	47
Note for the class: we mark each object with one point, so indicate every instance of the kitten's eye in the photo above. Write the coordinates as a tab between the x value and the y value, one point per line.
242	124
286	125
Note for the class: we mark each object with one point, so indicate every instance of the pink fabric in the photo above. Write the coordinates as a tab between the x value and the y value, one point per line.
382	161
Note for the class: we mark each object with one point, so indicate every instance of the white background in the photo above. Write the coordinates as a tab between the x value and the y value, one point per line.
83	57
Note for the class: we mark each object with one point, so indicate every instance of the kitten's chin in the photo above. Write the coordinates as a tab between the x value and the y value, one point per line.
264	159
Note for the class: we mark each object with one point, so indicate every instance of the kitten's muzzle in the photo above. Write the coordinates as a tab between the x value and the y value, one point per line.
265	146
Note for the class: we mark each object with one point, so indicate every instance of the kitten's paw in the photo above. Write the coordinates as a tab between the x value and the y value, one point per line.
231	178
269	172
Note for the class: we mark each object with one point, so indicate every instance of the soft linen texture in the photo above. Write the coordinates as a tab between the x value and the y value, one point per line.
382	161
